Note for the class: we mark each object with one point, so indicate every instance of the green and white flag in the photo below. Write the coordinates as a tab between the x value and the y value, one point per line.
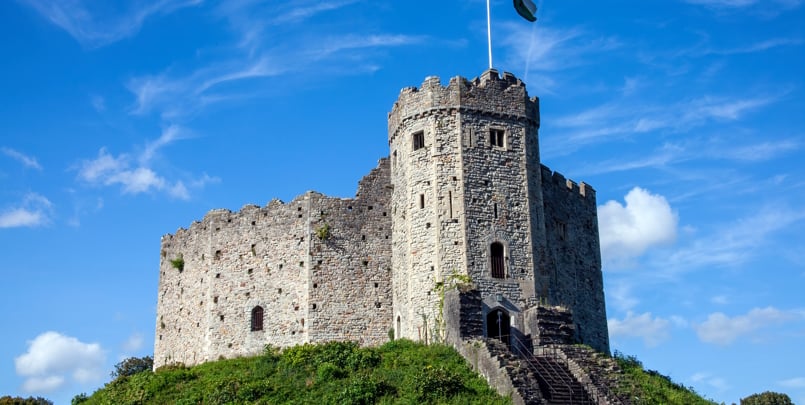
527	9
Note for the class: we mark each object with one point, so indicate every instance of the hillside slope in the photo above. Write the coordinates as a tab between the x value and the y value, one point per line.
399	372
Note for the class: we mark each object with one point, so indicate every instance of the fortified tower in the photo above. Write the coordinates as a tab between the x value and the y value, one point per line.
469	198
463	193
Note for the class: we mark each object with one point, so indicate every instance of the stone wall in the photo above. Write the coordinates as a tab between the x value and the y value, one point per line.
311	289
458	193
571	229
464	173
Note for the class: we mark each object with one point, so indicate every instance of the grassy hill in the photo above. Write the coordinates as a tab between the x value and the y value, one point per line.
399	372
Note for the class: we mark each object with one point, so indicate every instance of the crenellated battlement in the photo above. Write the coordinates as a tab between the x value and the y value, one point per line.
582	189
490	94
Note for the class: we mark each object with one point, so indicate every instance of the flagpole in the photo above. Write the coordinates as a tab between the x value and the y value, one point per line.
489	33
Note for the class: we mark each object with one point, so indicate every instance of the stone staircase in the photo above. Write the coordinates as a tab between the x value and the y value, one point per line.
519	372
557	384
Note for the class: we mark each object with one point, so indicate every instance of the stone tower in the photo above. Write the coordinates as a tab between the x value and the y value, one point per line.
470	197
462	193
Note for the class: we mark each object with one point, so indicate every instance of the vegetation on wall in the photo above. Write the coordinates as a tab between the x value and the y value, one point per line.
461	282
178	263
323	232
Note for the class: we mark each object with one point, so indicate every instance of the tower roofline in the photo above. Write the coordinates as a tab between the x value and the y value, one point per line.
488	94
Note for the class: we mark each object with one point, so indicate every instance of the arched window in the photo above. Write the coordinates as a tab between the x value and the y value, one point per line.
257	318
498	264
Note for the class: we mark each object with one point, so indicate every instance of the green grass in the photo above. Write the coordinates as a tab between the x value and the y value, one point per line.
399	372
650	387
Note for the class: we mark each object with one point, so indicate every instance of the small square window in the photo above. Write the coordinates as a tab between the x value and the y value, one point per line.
419	140
497	138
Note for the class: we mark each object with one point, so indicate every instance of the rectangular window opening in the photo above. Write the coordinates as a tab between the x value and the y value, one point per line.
421	201
450	203
497	138
419	140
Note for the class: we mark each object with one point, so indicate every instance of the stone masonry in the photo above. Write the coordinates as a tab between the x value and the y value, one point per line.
462	193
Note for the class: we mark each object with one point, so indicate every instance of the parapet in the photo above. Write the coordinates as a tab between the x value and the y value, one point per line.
490	94
371	187
583	189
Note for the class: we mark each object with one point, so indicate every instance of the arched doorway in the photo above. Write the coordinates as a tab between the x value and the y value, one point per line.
498	325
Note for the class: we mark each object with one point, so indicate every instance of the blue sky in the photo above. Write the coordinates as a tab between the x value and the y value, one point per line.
123	121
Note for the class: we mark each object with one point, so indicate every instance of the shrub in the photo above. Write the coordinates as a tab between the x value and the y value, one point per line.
178	263
133	365
435	382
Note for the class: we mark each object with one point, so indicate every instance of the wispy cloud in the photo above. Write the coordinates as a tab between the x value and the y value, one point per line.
134	174
722	330
697	149
296	13
796	382
626	119
551	49
741	4
34	210
53	357
94	28
733	244
27	161
719	383
132	344
653	330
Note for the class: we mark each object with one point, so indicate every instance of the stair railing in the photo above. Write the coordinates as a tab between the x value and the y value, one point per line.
531	361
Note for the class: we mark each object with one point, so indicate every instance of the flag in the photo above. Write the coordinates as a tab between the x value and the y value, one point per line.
527	9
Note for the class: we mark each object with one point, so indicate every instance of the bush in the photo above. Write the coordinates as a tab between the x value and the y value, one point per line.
133	365
767	398
436	382
328	371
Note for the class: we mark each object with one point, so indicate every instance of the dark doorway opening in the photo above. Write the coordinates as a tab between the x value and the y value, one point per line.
498	326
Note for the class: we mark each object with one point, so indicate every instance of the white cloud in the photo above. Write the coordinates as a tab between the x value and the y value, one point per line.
627	231
653	330
92	28
720	300
719	383
98	103
52	357
797	382
135	176
620	294
42	384
300	13
35	210
744	3
722	330
133	343
734	244
27	161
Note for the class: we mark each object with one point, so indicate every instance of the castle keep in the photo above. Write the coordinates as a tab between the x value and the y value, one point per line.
462	196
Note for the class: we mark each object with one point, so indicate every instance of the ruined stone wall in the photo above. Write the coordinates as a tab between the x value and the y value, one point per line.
272	257
574	262
350	277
